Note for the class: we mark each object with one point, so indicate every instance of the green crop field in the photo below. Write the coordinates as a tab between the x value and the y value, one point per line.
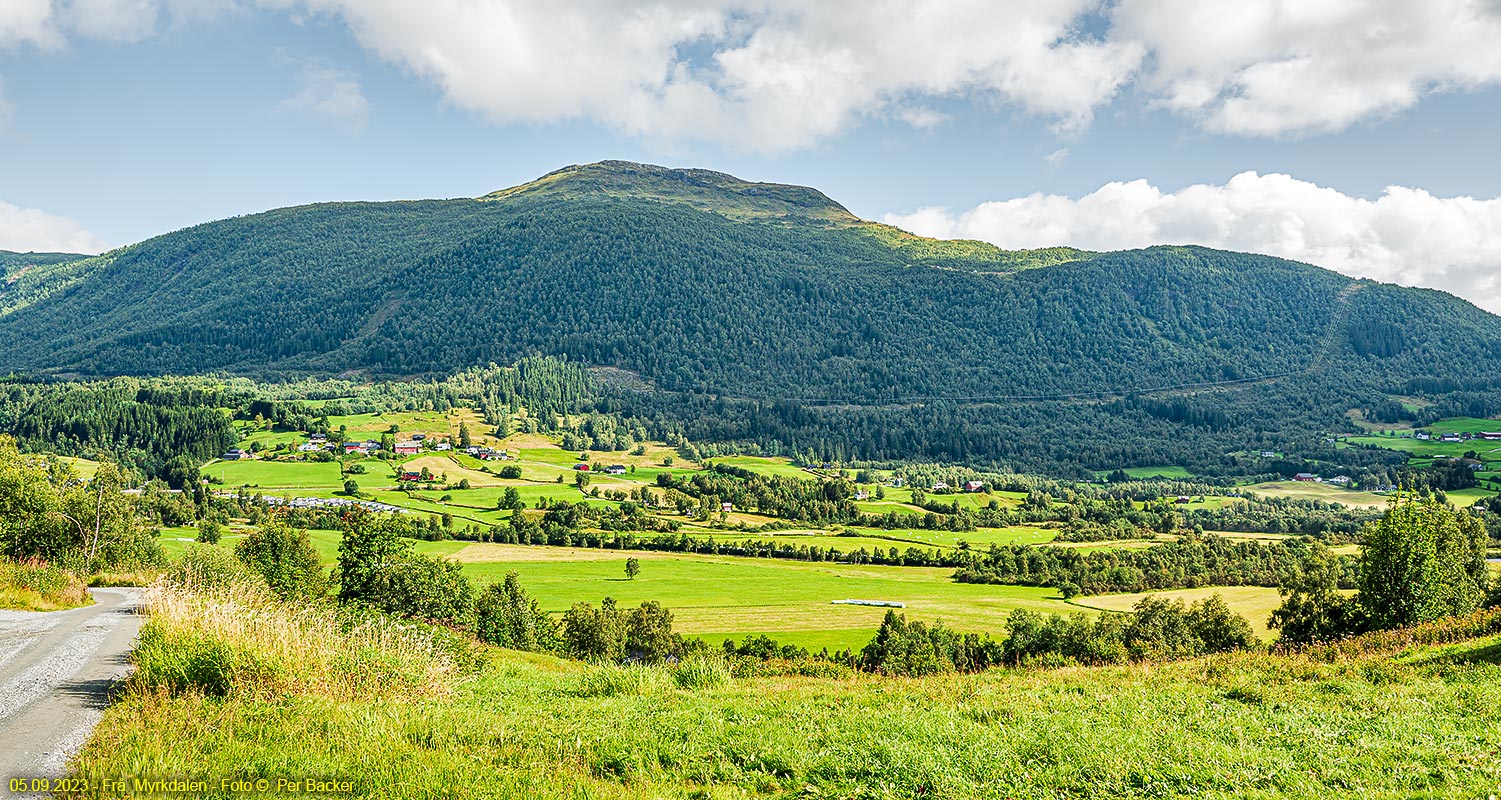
1139	473
276	474
729	597
979	538
767	466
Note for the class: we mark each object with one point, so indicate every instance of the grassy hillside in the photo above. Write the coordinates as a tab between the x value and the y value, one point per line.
262	693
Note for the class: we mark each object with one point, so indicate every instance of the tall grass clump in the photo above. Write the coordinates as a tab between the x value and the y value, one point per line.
36	585
218	635
701	672
611	680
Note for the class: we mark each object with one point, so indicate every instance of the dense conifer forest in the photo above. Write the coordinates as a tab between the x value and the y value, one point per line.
721	310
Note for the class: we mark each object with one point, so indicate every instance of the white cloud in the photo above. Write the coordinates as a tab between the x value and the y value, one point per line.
28	22
769	75
1405	236
328	91
778	75
1057	157
47	24
29	229
1292	66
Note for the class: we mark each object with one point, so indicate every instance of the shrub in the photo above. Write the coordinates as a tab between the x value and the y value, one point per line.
285	558
1420	562
35	585
913	648
506	616
209	531
206	566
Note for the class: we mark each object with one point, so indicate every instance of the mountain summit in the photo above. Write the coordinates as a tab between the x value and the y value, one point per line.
700	188
704	284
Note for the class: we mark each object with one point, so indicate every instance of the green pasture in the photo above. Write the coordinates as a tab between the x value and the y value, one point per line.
1142	473
979	538
781	467
277	474
718	597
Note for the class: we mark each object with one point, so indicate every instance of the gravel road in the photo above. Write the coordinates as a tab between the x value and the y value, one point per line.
56	673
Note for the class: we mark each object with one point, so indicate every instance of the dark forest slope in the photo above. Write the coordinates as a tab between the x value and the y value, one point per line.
703	283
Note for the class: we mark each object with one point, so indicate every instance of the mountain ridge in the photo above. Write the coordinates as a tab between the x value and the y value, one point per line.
712	287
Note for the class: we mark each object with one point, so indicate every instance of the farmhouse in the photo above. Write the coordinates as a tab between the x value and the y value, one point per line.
1339	480
1268	454
581	467
1452	437
235	454
417	437
861	494
308	447
615	469
1424	436
1306	477
354	447
1184	500
408	475
940	486
442	446
974	486
320	438
1490	436
408	448
726	507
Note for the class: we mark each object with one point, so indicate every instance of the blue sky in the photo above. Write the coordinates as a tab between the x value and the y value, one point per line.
1358	135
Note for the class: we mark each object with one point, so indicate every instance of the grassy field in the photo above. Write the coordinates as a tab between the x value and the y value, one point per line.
979	538
1320	491
1139	473
1255	603
1417	723
277	474
791	601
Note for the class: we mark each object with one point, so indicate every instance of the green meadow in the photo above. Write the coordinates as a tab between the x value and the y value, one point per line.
718	597
276	474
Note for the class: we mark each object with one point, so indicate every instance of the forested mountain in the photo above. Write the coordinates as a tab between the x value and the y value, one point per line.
747	309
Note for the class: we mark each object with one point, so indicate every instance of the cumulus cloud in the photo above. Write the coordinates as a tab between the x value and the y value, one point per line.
1291	66
47	24
762	74
1405	236
327	91
777	75
29	229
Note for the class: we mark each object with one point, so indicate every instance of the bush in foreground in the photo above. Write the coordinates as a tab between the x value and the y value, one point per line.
237	637
35	585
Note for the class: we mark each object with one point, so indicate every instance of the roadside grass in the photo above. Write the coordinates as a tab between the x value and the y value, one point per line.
1245	724
241	639
38	586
